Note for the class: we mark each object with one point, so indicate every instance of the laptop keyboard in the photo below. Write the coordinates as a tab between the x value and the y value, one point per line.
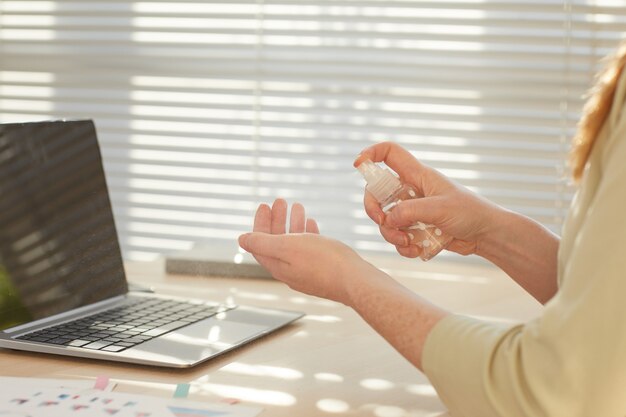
137	321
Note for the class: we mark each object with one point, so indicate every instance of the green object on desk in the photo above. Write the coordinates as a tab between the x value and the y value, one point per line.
12	311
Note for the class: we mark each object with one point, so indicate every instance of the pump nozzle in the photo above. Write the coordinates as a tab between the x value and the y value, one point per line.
381	182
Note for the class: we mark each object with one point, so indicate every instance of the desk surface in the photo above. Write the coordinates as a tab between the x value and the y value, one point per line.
329	362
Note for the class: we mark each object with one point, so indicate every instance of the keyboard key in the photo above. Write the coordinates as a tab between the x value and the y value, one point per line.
165	328
91	338
78	343
134	340
97	345
59	340
100	335
142	329
114	348
39	339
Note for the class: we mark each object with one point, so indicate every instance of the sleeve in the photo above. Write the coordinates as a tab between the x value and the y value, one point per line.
571	361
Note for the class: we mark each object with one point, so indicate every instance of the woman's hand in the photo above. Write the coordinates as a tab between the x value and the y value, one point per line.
453	209
521	247
304	260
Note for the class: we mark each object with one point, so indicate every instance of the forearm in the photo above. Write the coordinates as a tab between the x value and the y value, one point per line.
525	250
400	316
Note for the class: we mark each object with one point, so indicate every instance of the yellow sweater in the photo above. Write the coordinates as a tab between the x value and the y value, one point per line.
571	361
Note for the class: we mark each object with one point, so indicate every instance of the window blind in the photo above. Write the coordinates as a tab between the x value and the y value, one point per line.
205	109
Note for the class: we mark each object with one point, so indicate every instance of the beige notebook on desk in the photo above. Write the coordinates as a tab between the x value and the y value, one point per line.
62	284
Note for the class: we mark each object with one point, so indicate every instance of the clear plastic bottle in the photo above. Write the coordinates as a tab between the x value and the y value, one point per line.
388	190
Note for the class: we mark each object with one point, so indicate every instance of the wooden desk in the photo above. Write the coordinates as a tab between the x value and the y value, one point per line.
329	362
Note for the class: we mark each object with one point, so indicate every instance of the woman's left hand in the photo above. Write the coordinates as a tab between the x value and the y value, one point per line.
302	258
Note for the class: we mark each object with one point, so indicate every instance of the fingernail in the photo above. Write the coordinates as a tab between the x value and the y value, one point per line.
359	159
356	160
409	238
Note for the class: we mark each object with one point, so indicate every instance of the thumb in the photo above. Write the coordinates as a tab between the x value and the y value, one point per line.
429	210
263	244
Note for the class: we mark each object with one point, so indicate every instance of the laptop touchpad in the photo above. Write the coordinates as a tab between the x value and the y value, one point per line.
191	343
215	332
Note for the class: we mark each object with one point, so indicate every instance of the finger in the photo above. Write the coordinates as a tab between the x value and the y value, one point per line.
279	217
265	261
394	236
268	262
264	244
372	208
312	227
297	219
429	210
411	251
263	219
272	265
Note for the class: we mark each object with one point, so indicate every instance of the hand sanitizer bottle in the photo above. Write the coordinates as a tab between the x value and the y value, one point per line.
388	190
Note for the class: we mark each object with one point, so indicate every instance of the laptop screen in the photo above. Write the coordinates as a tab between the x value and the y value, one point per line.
58	242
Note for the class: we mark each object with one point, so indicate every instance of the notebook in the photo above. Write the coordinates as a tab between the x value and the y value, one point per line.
63	289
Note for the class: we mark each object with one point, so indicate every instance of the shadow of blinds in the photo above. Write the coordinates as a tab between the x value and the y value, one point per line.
205	109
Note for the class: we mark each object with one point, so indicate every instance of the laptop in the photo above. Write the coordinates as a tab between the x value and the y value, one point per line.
63	289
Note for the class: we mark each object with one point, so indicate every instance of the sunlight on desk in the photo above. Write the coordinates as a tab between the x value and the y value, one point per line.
262	371
332	406
376	384
255	395
322	376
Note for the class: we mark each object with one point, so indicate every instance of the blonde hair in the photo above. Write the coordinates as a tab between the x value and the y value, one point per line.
596	110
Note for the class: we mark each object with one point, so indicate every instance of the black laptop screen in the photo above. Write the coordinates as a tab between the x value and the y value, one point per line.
58	242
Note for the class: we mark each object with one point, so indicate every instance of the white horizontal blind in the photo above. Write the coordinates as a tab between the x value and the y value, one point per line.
204	109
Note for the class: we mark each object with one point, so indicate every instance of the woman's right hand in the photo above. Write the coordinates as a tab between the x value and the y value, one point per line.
452	208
